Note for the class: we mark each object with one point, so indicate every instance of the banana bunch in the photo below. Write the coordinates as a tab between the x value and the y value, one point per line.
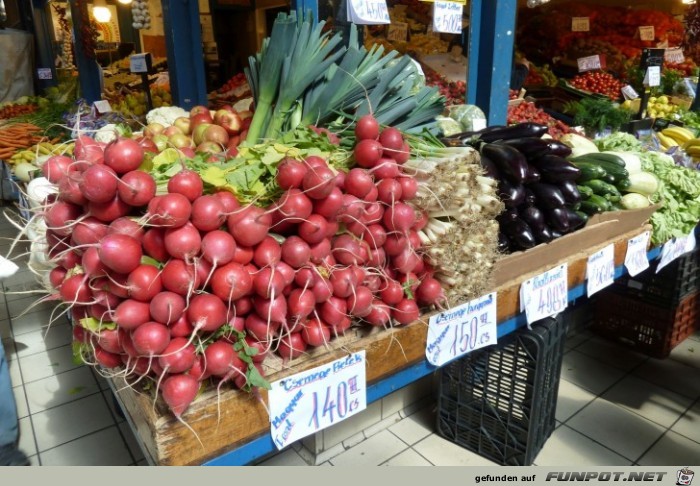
41	149
680	137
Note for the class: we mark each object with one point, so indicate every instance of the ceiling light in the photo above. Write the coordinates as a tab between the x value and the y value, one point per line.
125	2
100	11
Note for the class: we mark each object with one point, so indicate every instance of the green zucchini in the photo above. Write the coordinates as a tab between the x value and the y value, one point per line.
602	188
585	191
590	171
597	157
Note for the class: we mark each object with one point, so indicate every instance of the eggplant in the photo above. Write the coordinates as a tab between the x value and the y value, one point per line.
556	169
503	243
558	148
533	175
533	217
530	198
464	139
512	195
510	162
521	130
570	191
548	196
576	221
530	147
507	215
556	234
490	168
519	233
544	235
558	219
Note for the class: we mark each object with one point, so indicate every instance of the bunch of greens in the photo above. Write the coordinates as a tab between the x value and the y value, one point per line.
619	141
598	114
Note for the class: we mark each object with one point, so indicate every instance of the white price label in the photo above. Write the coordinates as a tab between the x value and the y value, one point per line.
137	63
545	295
398	32
629	92
304	403
674	56
447	17
676	248
646	33
653	76
600	271
44	73
580	24
368	12
103	106
636	259
589	63
461	330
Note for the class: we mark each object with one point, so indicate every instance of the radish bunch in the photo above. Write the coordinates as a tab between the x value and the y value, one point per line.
188	286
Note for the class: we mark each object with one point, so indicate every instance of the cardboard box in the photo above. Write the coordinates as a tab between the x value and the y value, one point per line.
599	229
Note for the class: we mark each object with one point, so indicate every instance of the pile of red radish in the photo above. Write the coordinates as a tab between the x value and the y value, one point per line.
187	286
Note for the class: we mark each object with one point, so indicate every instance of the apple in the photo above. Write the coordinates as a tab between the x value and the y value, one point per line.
187	152
245	114
172	130
212	113
183	123
232	152
229	120
216	134
244	134
180	140
198	110
153	129
245	124
197	120
209	147
147	144
233	142
227	108
161	142
198	132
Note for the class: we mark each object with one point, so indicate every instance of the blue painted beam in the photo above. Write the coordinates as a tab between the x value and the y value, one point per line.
311	6
183	40
88	69
491	39
43	42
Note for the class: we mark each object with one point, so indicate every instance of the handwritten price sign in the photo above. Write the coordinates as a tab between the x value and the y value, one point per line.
600	271
629	92
580	24
589	63
636	259
368	12
461	330
676	248
652	76
545	295
314	399
646	33
447	17
674	56
398	32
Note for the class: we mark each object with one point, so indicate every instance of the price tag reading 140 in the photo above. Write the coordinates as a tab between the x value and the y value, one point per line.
545	295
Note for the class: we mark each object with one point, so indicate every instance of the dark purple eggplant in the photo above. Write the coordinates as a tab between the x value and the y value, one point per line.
521	130
510	162
548	196
512	195
503	243
530	147
575	221
507	215
556	234
558	219
533	217
533	175
519	233
490	168
558	148
570	192
464	139
530	198
556	169
544	235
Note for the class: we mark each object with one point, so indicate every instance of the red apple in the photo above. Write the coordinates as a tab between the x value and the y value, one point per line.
198	120
161	142
233	142
216	134
245	114
209	147
187	152
228	108
180	140
172	130
153	129
229	120
183	123
198	132
147	144
199	109
246	123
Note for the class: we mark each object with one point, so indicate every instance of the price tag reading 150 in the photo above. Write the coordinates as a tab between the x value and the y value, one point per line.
545	295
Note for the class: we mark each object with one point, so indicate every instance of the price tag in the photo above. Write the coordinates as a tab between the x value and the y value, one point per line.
398	32
580	24
368	12
676	248
140	63
44	73
461	330
636	259
600	271
545	295
447	17
662	45
304	403
646	33
629	92
674	56
653	76
589	63
102	106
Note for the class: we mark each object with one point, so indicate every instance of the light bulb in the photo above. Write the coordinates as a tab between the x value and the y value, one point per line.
101	12
688	2
125	2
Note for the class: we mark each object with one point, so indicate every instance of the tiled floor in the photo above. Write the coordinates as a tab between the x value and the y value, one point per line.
615	407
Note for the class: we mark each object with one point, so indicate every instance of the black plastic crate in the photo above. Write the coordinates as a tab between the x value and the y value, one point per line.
500	402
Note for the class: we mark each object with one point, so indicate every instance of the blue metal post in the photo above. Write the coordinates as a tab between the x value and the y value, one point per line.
183	39
43	42
491	39
88	69
312	6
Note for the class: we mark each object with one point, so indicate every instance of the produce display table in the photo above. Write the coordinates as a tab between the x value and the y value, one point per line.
443	64
234	428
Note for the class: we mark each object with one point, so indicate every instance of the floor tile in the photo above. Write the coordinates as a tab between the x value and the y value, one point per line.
21	291
566	447
34	460
589	373
67	422
22	277
695	336
20	401
372	452
689	423
101	380
131	441
5	330
671	374
35	321
441	452
15	373
43	365
27	444
574	340
19	306
103	448
648	400
61	388
611	353
415	427
673	449
571	399
612	426
285	458
408	457
43	340
688	353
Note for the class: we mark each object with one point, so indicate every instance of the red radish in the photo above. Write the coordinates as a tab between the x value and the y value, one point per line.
207	312
286	271
243	306
74	290
320	251
183	242
392	292
166	307
333	311
360	302
395	244
218	247
144	283
300	303
315	333
268	252
322	289
373	213
406	311
358	182
295	252
430	292
373	282
367	153
243	254
198	371
60	217
406	261
231	282
79	312
208	213
290	173
347	250
69	189
179	277
352	209
318	183
294	206
178	392
409	188
57	275
109	211
272	310
181	327
409	281
136	188
170	210
340	326
421	220
291	346
386	168
401	156
399	217
126	226
375	236
120	253
390	190
392	141
219	357
69	260
377	258
154	244
131	314
250	226
379	315
123	156
188	183
106	299
372	195
367	128
314	162
343	281
107	359
268	282
80	334
99	184
414	240
228	200
57	167
304	277
108	339
150	338
260	328
314	229
329	206
262	348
